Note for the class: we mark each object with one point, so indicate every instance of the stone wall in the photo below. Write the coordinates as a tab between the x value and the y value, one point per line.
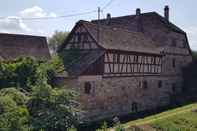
114	96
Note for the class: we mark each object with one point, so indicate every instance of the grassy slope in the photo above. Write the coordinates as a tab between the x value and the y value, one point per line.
179	118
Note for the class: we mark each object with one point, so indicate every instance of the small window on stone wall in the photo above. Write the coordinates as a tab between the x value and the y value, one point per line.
134	107
160	84
145	84
173	63
87	87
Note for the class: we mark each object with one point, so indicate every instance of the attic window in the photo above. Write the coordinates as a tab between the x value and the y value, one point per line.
87	87
174	42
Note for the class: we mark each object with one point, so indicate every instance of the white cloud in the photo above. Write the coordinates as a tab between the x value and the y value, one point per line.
15	24
35	11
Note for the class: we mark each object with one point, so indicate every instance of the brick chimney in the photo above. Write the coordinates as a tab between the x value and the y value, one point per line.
138	11
166	13
108	18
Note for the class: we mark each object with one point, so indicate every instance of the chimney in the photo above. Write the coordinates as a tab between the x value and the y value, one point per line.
166	13
138	11
108	18
139	21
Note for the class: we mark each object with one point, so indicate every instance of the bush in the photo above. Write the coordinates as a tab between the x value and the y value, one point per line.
19	97
34	104
12	117
51	109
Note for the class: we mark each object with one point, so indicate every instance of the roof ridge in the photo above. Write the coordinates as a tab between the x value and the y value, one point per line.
117	17
27	35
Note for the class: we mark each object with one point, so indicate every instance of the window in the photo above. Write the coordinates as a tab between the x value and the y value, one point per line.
173	87
145	84
134	107
159	84
87	88
173	63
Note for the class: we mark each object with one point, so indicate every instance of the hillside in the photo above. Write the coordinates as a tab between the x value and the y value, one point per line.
182	118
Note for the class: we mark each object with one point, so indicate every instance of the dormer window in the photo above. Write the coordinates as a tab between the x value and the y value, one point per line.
174	42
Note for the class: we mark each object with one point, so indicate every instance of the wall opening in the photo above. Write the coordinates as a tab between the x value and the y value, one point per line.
134	107
145	84
87	88
160	84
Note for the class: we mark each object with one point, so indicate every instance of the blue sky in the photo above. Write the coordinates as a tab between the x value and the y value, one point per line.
182	13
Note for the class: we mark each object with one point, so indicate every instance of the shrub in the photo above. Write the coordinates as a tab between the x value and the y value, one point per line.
12	117
51	109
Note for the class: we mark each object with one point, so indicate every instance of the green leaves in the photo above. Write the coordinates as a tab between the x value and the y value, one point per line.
13	116
51	109
29	100
57	39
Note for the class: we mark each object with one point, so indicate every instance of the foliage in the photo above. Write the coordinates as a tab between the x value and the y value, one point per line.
103	127
19	97
194	53
51	109
57	39
12	116
24	73
20	73
117	124
28	100
57	64
119	128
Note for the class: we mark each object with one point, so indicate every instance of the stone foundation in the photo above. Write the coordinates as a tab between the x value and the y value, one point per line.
115	96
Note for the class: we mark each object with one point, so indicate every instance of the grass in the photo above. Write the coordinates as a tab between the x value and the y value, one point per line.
173	120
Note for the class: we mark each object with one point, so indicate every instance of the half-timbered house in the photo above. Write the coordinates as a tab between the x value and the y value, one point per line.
125	64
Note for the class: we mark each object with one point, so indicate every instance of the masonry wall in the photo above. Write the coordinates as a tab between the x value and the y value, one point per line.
110	97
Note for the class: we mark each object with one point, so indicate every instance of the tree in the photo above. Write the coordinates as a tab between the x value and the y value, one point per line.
14	115
57	39
52	109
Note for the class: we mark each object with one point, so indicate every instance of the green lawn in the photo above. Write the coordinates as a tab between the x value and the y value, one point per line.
179	119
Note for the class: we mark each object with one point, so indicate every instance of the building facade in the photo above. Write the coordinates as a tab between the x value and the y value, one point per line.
13	46
125	64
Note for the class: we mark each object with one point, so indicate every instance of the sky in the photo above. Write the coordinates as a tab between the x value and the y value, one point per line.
14	14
